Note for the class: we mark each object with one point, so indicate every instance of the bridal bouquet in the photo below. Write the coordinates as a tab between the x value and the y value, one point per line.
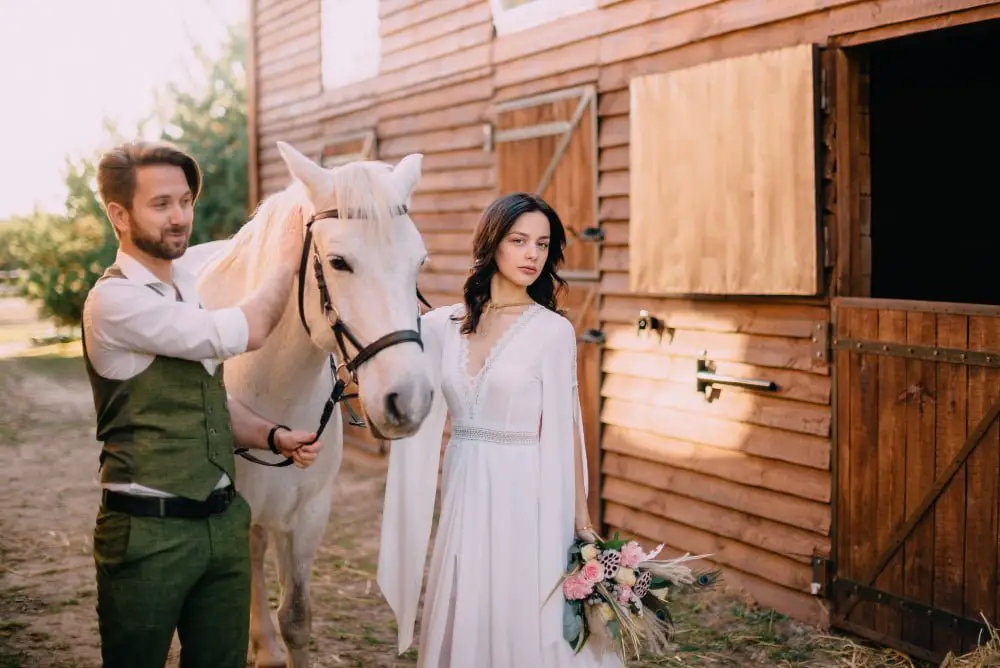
616	595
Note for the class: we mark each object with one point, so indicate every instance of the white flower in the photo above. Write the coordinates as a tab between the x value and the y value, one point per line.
625	576
589	552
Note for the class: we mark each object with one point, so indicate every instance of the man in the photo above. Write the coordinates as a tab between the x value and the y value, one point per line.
171	542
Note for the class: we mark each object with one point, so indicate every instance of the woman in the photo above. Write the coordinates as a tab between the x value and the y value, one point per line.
514	484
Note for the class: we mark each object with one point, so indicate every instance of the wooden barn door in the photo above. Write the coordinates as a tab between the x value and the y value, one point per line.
547	144
917	468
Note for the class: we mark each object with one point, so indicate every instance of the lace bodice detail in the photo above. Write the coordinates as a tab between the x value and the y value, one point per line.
505	392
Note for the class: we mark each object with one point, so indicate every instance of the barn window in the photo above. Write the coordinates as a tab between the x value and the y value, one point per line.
723	192
513	15
342	149
351	46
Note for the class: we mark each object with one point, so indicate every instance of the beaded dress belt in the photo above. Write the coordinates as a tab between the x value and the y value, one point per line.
469	433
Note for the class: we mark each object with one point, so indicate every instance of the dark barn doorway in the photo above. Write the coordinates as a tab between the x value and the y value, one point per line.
934	105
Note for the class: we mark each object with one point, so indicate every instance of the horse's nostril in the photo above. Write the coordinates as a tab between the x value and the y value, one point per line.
391	408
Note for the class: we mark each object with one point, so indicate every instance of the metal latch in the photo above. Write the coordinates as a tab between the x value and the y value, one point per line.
822	576
707	379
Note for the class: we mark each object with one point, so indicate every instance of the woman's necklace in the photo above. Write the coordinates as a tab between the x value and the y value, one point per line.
493	306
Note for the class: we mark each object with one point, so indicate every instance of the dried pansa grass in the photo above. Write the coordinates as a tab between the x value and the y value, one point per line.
986	654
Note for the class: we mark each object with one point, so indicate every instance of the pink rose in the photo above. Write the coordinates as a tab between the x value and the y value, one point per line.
592	571
632	554
577	587
625	595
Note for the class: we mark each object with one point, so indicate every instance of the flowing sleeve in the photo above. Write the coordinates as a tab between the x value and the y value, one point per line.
410	490
561	430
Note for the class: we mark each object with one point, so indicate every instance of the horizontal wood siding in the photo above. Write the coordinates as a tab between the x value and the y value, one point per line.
440	49
745	477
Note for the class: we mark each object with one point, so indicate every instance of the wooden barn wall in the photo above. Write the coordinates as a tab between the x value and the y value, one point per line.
746	477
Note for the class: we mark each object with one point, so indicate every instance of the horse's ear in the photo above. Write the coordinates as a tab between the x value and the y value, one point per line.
407	172
315	178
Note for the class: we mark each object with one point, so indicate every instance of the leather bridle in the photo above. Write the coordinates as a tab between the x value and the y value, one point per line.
347	370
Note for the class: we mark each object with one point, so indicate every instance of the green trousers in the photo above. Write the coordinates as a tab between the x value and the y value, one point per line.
155	575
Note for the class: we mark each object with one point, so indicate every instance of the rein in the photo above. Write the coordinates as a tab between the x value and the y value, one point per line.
341	332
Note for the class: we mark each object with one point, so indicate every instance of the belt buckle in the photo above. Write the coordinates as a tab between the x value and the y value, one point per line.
219	502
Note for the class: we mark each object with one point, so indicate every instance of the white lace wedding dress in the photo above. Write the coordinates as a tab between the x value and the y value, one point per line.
507	510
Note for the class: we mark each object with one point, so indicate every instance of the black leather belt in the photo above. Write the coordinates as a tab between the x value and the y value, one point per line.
174	506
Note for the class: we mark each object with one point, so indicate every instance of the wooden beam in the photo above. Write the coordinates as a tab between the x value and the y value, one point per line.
948	308
915	26
251	92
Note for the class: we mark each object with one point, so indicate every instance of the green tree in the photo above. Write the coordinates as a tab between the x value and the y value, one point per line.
211	123
65	255
11	232
61	259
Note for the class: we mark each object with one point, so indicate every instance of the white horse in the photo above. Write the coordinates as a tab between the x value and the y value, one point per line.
369	256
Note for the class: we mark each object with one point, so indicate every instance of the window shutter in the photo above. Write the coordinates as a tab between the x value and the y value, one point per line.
723	190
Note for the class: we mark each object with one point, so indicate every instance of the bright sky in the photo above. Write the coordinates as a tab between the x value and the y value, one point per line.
66	64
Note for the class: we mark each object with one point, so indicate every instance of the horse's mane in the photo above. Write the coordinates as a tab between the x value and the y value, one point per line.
365	188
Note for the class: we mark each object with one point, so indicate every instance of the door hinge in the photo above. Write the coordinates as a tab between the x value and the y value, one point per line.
819	343
827	244
824	94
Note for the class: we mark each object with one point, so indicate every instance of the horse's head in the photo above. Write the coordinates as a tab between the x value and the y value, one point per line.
360	291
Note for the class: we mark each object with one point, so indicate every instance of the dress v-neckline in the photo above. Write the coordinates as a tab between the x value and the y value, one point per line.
474	380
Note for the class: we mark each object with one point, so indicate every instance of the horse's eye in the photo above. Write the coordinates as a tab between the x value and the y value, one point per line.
340	264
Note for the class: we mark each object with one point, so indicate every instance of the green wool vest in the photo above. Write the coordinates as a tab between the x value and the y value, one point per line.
167	428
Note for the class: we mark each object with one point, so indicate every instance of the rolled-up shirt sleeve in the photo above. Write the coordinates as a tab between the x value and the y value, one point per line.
126	315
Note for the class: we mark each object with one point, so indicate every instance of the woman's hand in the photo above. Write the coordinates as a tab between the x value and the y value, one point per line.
586	533
295	444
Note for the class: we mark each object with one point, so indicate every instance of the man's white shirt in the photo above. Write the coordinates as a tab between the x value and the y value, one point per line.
129	321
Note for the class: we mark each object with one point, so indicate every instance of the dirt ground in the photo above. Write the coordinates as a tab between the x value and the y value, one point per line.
49	496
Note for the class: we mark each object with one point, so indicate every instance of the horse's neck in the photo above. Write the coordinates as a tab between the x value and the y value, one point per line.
287	371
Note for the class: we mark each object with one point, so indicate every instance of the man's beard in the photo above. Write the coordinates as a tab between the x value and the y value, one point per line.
165	247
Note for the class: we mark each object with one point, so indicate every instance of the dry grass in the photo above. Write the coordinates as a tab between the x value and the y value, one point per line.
987	654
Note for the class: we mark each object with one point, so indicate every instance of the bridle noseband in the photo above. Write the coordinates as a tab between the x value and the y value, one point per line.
341	332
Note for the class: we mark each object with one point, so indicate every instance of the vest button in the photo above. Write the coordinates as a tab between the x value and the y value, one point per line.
211	432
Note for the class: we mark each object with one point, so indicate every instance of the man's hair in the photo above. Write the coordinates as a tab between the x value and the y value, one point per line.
116	171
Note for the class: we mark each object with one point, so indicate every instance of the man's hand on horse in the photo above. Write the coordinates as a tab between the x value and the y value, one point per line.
295	444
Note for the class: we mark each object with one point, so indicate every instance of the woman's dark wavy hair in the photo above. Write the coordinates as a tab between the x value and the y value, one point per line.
496	221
